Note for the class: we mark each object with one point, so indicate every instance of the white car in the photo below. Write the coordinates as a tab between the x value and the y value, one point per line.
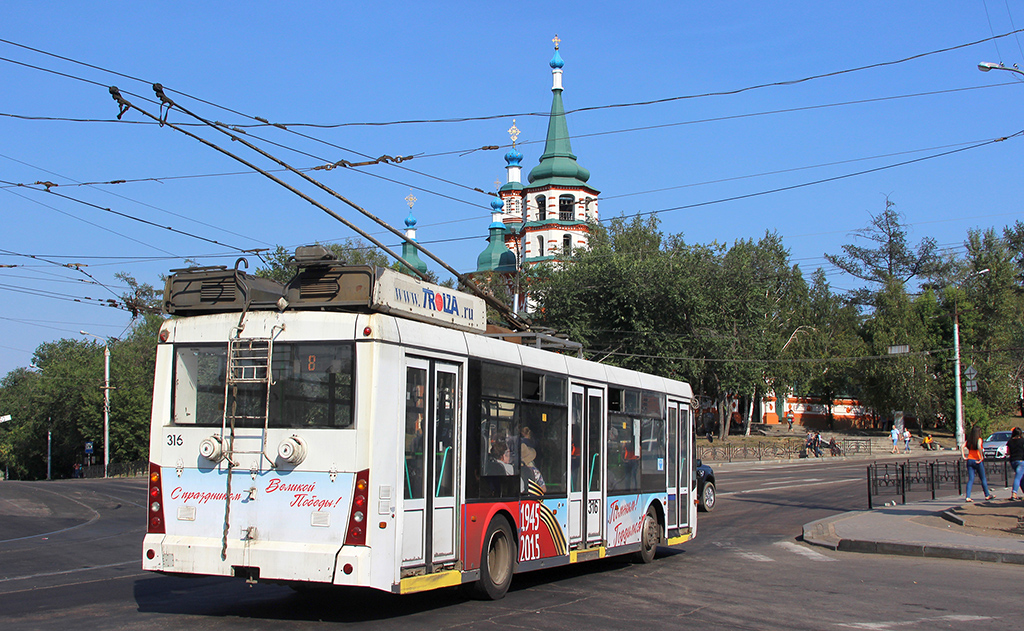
995	445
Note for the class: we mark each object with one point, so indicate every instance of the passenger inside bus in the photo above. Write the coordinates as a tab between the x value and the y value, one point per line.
500	460
532	478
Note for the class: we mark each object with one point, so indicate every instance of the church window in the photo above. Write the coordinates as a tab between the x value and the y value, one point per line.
542	208
540	246
567	244
566	210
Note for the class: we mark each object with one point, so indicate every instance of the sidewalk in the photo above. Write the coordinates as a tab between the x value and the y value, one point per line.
947	528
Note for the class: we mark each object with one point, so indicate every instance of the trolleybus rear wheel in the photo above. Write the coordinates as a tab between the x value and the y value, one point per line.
497	563
650	535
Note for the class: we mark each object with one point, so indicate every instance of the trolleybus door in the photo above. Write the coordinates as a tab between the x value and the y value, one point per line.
685	463
679	465
586	467
432	426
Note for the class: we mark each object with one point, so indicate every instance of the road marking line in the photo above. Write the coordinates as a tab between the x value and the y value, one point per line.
919	621
793	486
804	551
61	572
789	481
753	556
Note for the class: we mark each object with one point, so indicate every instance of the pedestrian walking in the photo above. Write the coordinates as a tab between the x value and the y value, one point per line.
894	435
1015	452
906	440
789	419
972	452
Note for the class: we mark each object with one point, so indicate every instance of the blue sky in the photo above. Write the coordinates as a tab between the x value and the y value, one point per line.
338	63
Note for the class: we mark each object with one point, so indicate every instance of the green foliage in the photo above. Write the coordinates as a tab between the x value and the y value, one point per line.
278	263
64	396
890	259
975	413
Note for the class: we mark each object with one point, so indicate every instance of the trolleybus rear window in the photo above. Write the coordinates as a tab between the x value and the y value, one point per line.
311	386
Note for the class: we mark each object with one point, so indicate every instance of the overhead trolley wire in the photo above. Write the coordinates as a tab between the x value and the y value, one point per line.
513	319
591	108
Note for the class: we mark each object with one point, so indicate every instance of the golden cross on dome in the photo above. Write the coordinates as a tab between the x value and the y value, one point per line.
513	132
411	199
497	183
556	41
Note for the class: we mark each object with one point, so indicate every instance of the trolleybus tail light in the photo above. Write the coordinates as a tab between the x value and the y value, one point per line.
357	517
155	522
164	335
367	332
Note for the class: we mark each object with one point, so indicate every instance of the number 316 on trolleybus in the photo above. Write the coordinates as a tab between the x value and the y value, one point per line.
357	427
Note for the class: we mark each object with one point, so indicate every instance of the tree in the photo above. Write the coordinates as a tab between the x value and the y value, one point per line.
63	395
832	338
991	316
278	263
902	381
892	258
717	318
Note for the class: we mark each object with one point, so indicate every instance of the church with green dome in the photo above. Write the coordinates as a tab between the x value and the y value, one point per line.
546	218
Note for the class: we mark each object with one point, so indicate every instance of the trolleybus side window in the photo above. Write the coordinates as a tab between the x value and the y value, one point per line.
492	433
636	440
544	432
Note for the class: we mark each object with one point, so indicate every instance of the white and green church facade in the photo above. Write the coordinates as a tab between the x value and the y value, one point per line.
547	217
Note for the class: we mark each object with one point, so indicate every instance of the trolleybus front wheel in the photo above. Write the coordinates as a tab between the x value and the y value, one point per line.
497	563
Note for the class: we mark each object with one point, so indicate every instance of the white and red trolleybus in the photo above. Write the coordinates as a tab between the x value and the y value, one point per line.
357	427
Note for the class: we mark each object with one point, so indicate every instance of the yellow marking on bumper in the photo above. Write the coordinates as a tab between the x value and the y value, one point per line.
674	541
414	584
589	554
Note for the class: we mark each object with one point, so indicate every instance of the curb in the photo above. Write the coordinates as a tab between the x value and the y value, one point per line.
949	515
823	533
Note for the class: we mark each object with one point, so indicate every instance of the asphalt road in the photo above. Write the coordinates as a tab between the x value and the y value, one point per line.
69	557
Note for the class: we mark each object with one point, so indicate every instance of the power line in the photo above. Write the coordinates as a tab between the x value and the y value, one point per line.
73	266
829	179
95	225
91	185
267	123
462	119
140	220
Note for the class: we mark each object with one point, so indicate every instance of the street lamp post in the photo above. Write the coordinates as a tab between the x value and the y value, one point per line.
958	398
106	401
985	66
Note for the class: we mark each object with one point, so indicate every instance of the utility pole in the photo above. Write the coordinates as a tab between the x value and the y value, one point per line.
957	397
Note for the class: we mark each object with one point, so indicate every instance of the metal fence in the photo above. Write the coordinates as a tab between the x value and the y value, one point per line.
917	479
117	469
777	450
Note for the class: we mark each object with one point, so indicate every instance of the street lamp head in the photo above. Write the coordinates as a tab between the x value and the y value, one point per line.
985	66
84	332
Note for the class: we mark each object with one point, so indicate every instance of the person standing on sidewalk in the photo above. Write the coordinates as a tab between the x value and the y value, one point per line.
1015	452
895	436
906	440
971	452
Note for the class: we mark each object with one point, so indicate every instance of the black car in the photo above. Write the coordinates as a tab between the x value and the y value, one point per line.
705	487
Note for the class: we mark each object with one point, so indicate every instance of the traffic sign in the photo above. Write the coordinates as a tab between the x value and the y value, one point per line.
88	447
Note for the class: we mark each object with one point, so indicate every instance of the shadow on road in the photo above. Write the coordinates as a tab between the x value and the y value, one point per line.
222	597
